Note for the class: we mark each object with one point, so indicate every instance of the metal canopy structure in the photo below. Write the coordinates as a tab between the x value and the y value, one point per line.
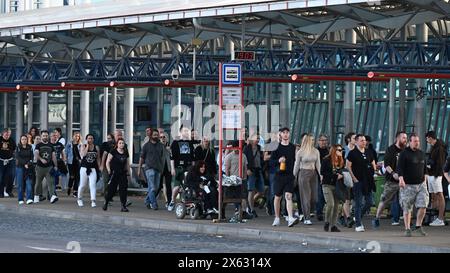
100	52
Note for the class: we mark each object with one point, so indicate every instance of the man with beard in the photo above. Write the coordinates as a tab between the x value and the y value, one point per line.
45	155
391	187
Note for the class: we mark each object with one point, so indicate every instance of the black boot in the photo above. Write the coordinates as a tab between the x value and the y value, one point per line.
326	227
124	208
105	206
335	229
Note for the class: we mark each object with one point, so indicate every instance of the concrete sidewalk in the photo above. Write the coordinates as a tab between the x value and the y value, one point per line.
385	239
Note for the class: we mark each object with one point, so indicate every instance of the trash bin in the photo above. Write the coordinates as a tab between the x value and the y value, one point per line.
379	184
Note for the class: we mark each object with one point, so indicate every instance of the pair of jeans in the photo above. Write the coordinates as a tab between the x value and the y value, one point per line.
395	208
6	177
271	193
21	175
358	197
152	177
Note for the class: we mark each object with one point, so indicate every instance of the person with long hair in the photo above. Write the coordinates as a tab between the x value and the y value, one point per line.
24	170
204	184
90	160
307	165
331	170
205	152
73	163
118	166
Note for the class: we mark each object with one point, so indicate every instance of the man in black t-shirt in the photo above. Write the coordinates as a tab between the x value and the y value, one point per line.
45	156
360	163
7	148
283	159
391	186
413	189
324	150
181	160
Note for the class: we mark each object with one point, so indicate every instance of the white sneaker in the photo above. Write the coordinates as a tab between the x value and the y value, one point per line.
395	223
276	222
171	206
53	199
29	201
36	199
437	223
80	202
5	194
21	202
93	205
292	222
307	222
360	229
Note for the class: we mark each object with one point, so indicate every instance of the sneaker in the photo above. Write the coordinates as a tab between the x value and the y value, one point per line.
408	233
105	206
5	194
75	194
437	223
10	194
80	202
154	207
29	201
21	203
276	222
335	229
307	222
326	227
419	230
376	223
128	203
171	206
93	204
292	222
36	199
395	223
360	229
53	199
149	206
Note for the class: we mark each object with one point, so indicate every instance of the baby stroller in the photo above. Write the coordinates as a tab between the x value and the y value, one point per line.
192	204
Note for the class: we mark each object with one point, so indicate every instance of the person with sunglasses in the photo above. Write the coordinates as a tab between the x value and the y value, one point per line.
331	170
205	152
361	164
165	182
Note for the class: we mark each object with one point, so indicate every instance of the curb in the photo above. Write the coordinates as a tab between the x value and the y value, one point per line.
247	233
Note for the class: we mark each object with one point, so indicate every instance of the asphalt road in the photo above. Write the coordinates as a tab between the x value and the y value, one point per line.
25	233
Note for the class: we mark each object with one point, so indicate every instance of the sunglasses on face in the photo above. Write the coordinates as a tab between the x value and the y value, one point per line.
339	150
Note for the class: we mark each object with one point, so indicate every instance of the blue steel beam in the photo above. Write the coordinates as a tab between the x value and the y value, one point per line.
399	57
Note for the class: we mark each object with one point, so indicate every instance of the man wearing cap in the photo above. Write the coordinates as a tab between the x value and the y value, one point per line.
283	159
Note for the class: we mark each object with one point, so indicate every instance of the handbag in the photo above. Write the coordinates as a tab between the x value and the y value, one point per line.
348	181
341	191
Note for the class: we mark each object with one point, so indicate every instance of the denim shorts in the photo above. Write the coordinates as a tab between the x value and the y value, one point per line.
256	181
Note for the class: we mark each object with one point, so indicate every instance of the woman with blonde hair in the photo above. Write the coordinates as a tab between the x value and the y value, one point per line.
331	170
307	165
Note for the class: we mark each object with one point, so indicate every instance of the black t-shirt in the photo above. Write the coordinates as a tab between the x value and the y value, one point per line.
58	150
106	147
24	155
7	148
288	151
391	159
45	152
182	152
361	164
119	161
411	165
323	153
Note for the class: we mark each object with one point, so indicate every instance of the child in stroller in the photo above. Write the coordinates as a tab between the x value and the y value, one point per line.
199	194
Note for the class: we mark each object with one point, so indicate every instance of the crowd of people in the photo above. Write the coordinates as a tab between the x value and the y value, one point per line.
335	184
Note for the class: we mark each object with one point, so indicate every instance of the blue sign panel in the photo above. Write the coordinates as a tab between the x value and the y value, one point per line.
231	73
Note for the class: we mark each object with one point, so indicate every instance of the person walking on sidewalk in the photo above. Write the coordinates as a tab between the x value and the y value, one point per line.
331	170
361	164
105	148
284	158
72	151
7	149
182	159
60	159
118	167
153	156
45	156
324	150
391	186
435	171
165	183
24	170
307	165
254	171
90	160
413	189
